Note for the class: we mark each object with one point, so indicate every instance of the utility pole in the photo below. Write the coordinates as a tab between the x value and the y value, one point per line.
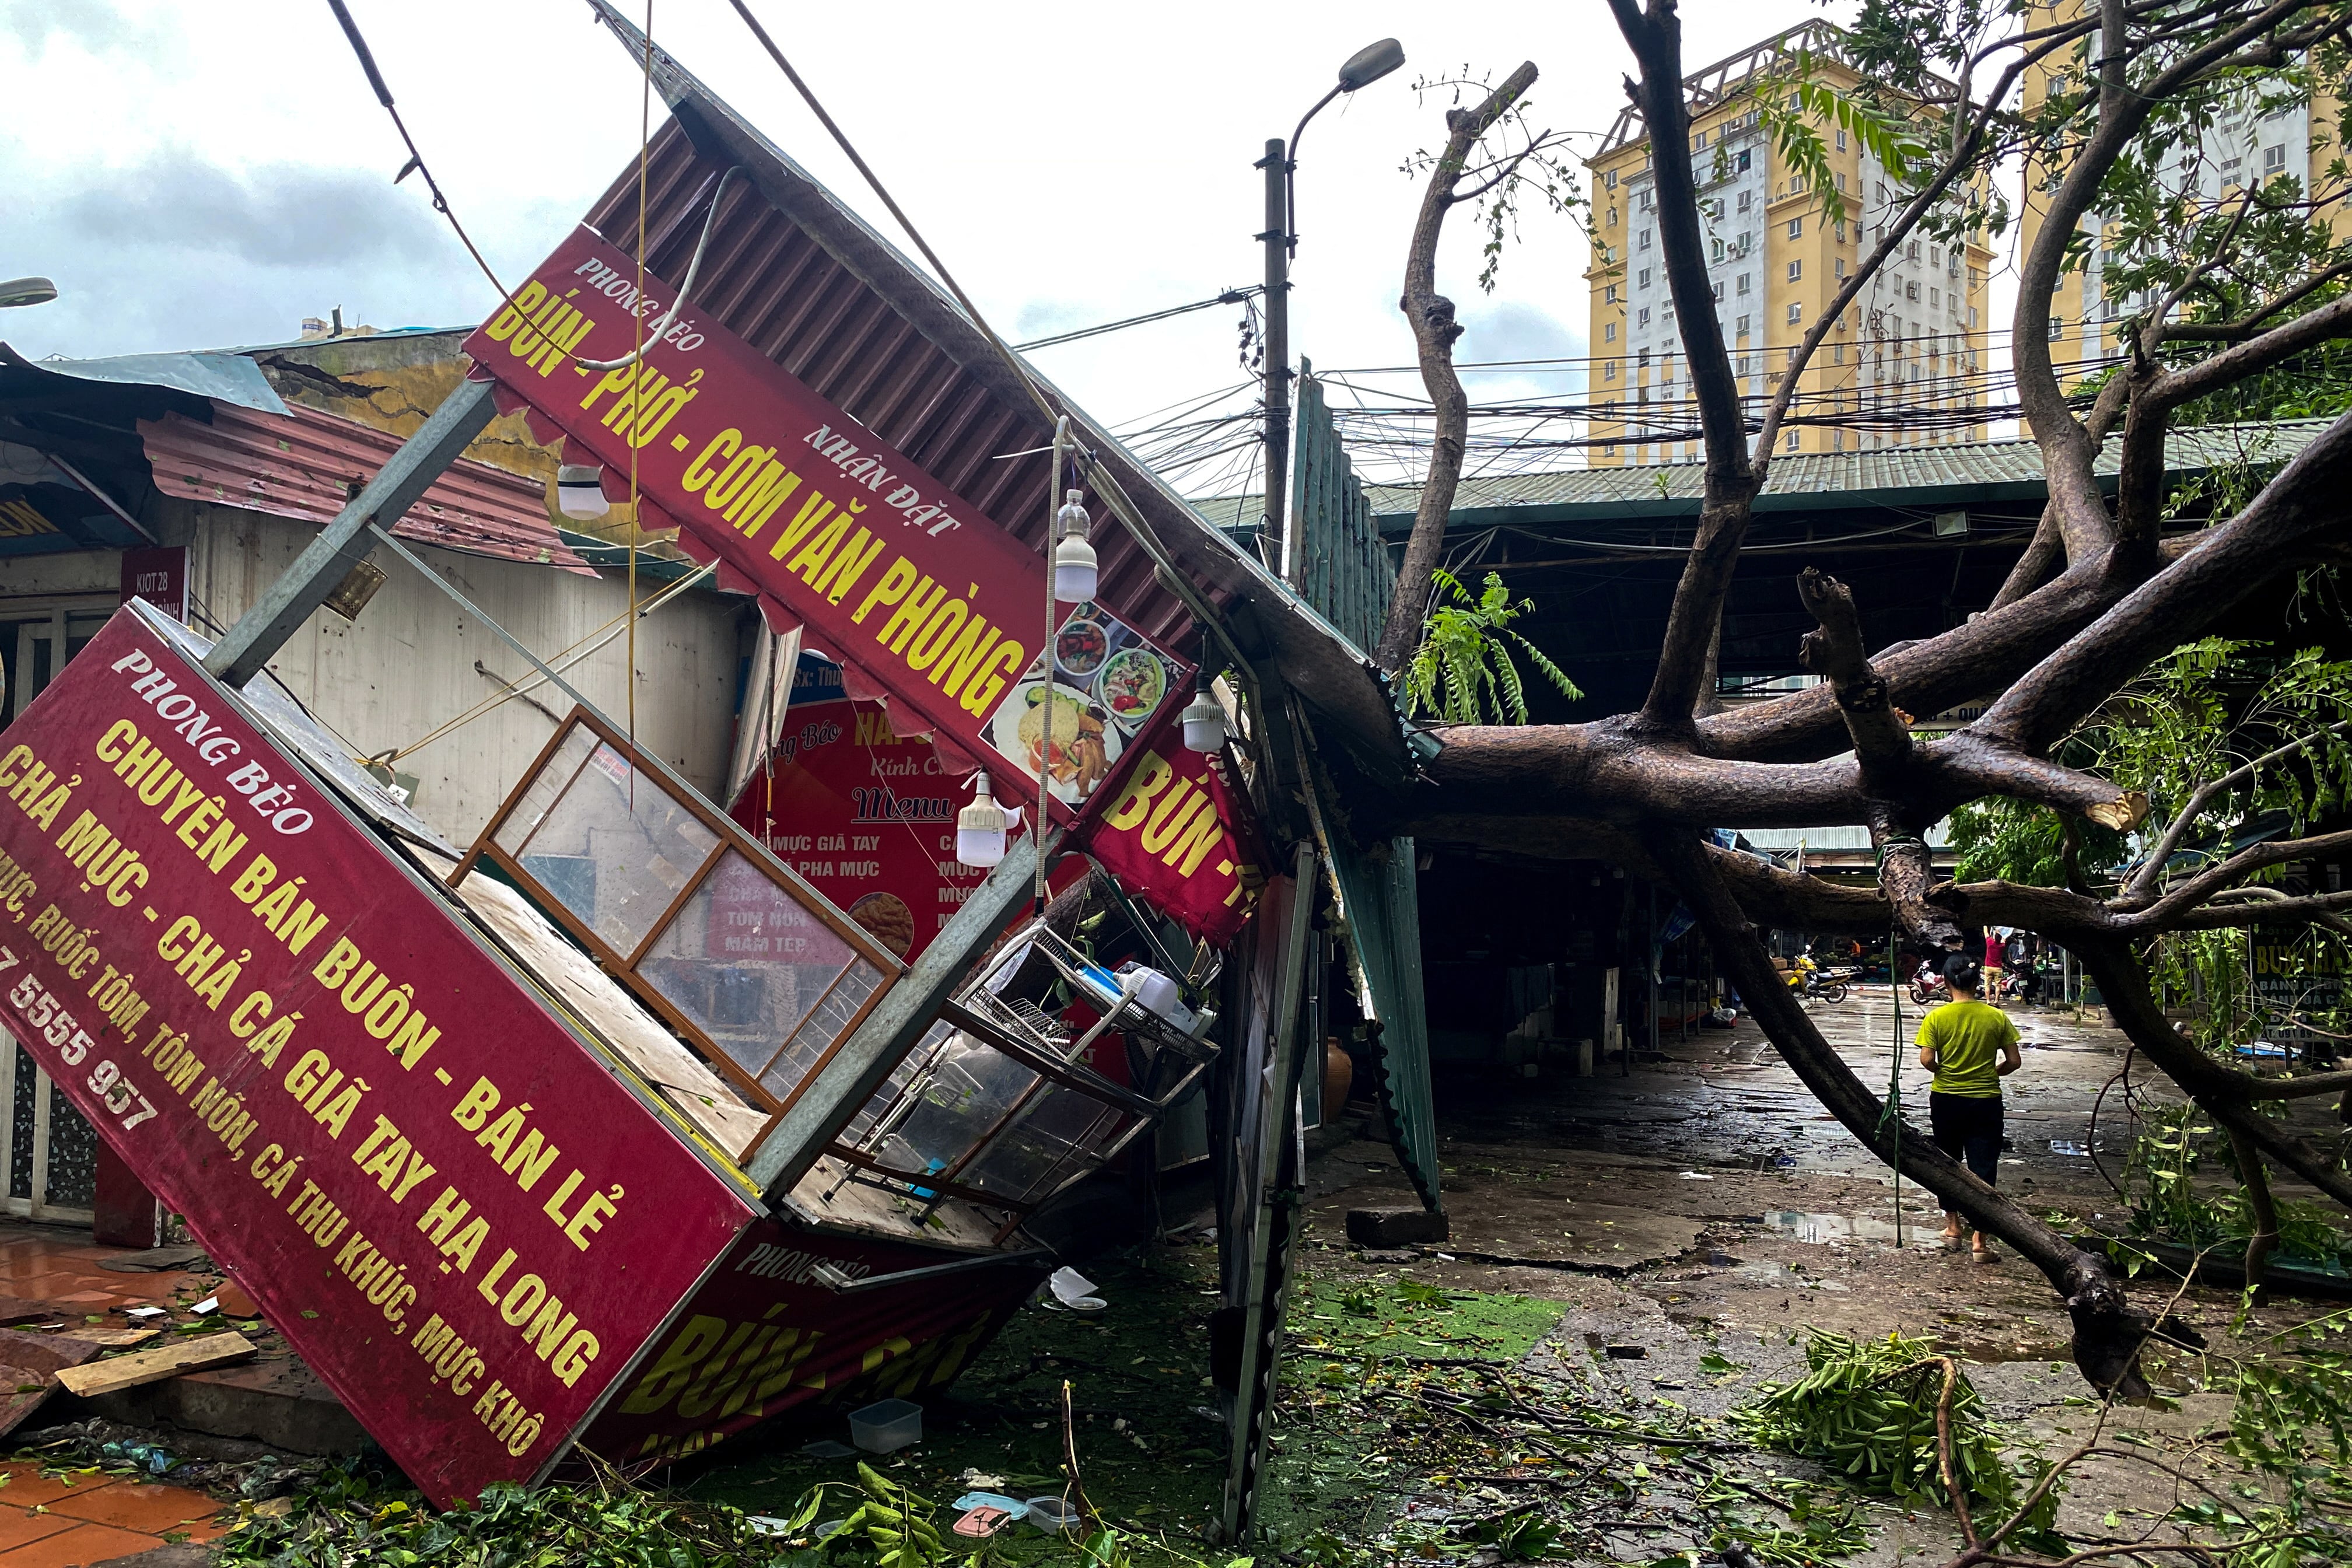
1277	239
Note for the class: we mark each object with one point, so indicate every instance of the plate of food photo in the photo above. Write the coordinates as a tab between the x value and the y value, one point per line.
1083	746
1132	682
1080	648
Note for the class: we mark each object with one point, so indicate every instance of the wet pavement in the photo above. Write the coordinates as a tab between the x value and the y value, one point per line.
1705	1206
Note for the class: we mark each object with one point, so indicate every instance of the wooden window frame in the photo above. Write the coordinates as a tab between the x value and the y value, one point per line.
623	966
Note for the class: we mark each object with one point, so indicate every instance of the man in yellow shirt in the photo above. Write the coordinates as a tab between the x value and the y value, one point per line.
1970	1046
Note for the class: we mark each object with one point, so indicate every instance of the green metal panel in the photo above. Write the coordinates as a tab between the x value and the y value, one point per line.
1377	898
1805	484
1345	572
1379	908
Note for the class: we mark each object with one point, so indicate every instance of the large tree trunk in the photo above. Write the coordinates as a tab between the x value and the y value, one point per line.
2097	596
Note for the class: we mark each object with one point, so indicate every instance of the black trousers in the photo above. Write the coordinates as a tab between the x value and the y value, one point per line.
1968	1127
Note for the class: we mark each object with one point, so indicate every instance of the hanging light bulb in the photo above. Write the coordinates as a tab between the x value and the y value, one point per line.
580	491
1204	720
1076	577
980	828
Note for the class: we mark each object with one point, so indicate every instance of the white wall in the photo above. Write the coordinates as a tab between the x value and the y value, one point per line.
407	666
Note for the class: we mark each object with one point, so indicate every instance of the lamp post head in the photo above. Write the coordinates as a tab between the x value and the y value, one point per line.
26	291
1370	63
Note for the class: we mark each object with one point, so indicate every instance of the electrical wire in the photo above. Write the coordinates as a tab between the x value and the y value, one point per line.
1230	297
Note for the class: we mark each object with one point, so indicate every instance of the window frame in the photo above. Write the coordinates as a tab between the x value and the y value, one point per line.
623	966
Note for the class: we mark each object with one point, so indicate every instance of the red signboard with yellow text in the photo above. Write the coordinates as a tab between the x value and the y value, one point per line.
1179	837
927	597
452	1207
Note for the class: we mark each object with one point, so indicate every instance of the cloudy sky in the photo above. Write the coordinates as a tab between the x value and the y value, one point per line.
202	175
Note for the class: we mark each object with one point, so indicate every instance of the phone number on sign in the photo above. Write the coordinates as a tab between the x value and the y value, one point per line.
42	1014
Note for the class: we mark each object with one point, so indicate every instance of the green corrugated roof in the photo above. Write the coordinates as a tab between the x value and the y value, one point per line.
1903	477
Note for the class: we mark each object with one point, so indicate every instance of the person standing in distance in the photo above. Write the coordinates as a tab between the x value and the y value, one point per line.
1970	1046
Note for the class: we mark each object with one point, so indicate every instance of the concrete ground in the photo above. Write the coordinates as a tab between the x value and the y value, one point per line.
1706	1205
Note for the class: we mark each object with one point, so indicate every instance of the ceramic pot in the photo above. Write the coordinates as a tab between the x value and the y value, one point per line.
1339	1077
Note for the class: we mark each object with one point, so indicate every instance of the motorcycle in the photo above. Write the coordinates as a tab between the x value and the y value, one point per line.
1811	981
1929	988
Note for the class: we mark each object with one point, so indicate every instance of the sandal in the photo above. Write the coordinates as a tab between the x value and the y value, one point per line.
1983	1252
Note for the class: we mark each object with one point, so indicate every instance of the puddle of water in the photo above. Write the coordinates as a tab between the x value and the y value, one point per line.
1826	1227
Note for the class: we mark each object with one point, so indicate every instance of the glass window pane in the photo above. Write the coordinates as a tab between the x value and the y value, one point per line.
20	1121
970	1088
827	1024
745	963
640	845
73	1156
913	1062
1057	1132
545	786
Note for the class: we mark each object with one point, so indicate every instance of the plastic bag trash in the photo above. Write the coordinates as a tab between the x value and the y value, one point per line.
1074	1291
151	1458
1697	1176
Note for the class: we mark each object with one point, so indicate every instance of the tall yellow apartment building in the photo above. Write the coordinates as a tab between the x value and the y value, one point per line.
2242	149
1911	346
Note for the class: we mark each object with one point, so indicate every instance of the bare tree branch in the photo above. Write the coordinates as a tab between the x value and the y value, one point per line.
2201	887
2177	604
2109	1331
2067	450
1435	330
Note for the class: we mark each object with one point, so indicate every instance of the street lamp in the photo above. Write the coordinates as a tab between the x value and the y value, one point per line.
1366	66
26	291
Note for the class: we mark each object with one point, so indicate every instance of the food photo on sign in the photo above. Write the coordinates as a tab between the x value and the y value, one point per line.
1107	681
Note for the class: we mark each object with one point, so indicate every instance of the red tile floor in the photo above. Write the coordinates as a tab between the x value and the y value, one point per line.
47	1264
88	1517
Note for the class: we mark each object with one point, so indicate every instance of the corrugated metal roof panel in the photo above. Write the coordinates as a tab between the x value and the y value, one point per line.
306	464
223	377
1915	476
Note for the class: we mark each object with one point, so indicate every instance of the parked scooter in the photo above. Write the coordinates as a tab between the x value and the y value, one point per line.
1810	981
1927	986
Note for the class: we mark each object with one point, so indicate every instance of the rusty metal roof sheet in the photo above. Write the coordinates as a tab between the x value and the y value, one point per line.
795	273
305	464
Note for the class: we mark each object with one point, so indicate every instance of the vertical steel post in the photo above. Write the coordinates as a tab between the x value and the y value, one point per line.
1272	1202
1277	239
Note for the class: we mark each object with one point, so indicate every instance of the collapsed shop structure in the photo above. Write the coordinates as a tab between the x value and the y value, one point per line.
608	1126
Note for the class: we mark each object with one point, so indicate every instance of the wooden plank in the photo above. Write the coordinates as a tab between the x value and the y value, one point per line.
28	1363
153	1366
111	1338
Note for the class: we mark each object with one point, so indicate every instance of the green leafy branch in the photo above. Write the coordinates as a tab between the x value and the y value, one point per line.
1795	122
1464	669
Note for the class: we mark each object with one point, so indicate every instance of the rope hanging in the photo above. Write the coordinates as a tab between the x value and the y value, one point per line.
1893	1113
